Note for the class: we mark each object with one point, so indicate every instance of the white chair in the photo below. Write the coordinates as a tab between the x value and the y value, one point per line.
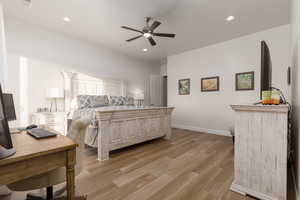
48	180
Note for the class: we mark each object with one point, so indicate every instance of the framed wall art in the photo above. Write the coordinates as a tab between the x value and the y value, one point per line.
244	81
210	84
184	87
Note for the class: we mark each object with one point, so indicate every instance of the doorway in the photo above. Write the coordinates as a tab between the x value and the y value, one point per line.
165	91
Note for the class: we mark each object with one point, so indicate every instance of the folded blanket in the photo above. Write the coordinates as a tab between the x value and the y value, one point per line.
92	131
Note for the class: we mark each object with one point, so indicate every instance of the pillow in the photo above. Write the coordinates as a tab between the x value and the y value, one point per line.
128	101
99	101
116	100
83	101
91	101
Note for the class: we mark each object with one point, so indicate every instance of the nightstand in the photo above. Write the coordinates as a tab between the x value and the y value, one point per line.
54	120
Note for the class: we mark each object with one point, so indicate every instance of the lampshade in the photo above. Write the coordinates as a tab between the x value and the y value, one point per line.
139	96
55	93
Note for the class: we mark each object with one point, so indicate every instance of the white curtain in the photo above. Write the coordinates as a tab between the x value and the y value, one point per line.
3	64
3	189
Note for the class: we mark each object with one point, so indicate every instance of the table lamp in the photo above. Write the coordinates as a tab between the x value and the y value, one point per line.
54	94
140	98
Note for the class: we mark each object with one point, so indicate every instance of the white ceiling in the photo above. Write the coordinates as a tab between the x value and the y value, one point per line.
197	23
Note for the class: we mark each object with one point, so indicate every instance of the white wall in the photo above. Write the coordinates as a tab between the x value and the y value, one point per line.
210	111
295	58
40	44
40	76
49	53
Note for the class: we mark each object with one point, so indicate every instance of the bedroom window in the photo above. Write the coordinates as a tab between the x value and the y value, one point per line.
87	85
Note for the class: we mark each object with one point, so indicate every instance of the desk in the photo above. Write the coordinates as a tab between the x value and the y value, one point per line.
34	157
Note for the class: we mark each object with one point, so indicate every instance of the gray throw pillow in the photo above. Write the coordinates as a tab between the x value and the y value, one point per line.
99	101
116	100
91	101
129	101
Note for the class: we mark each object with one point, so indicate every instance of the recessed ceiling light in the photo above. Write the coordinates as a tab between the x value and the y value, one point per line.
27	2
230	18
67	19
145	50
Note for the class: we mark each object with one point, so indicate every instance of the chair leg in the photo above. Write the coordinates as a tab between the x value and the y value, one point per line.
49	193
32	197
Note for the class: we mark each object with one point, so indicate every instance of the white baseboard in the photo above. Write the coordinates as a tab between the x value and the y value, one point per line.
203	130
294	183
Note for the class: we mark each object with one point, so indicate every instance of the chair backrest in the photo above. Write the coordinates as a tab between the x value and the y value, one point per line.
77	133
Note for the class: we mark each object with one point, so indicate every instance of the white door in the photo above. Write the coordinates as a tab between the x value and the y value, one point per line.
156	90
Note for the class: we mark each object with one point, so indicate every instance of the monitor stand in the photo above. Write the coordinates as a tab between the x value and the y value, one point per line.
4	153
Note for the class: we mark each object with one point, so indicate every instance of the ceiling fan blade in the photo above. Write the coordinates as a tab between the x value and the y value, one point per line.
155	25
148	19
152	42
131	29
129	40
164	35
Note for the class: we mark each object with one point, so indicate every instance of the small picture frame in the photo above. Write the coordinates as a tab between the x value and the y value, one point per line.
244	81
184	86
210	84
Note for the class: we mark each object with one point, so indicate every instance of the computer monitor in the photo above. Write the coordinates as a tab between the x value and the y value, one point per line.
6	146
9	107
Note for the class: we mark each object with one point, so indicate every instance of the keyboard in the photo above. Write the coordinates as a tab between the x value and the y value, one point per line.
40	133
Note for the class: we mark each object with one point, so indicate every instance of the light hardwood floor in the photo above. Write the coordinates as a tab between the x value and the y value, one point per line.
191	166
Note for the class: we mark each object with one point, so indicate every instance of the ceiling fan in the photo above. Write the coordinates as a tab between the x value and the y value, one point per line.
148	32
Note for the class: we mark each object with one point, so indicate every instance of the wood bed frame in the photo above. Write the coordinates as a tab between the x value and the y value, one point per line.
125	127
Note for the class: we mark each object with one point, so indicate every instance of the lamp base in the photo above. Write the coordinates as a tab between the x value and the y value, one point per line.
140	102
55	103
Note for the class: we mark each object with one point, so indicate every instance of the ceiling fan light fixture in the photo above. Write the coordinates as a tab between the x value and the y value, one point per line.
230	18
148	32
66	19
145	50
27	3
147	35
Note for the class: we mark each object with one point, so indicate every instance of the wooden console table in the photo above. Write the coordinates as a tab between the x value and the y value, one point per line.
34	157
260	154
124	126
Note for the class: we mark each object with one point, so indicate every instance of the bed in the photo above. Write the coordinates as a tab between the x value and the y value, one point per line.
116	126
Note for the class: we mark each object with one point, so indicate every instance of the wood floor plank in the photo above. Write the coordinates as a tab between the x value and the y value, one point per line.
119	193
166	151
190	166
128	177
176	187
150	189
